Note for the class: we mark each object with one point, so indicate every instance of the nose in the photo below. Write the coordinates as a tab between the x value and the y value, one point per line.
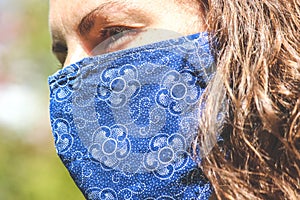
75	54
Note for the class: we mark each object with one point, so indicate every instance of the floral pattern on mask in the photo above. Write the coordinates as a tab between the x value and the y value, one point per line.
124	122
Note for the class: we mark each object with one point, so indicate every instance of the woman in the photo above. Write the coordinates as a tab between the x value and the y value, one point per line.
250	106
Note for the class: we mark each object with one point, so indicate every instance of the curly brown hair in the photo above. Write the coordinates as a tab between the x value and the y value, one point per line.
257	85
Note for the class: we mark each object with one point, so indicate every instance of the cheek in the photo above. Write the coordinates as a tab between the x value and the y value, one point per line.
183	24
185	19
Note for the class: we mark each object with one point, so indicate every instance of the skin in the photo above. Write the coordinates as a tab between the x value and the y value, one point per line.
81	28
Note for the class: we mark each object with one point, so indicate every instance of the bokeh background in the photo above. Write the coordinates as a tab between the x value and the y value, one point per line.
29	166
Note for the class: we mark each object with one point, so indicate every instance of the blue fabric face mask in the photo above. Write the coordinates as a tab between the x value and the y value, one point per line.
124	122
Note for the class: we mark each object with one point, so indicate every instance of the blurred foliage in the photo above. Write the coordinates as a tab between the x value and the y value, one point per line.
31	172
29	166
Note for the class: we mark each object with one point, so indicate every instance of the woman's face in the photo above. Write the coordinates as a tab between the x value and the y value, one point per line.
83	28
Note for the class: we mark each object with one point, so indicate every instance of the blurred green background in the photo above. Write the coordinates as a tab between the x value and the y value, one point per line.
29	166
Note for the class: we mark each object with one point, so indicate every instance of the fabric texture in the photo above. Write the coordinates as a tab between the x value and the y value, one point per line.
124	122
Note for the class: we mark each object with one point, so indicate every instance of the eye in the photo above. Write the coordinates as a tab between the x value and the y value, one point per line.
115	32
114	38
60	51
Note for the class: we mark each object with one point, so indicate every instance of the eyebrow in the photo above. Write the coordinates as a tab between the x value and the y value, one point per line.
87	22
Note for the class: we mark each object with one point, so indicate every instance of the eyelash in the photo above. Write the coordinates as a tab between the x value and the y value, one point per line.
60	52
112	31
115	36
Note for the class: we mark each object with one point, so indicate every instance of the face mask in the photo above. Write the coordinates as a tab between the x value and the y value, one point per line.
124	122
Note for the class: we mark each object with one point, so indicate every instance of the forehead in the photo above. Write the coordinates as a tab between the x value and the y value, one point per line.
65	15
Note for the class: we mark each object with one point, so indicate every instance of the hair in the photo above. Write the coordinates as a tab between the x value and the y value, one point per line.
256	91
